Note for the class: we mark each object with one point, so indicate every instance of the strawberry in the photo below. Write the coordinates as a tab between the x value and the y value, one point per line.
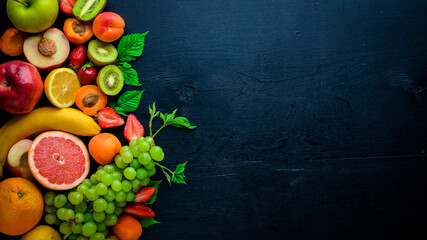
77	57
139	210
144	194
66	7
133	128
87	73
108	117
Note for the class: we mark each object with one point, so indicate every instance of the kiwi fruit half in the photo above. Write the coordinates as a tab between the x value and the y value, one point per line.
87	10
110	80
101	53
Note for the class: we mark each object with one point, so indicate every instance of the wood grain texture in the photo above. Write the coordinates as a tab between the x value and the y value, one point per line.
311	116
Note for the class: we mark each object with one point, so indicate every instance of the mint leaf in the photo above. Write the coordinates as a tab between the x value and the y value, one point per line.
129	101
120	111
178	178
180	168
147	222
180	122
154	184
130	47
130	75
110	102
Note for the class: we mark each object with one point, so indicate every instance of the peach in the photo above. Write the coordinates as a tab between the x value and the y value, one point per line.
108	26
47	50
17	159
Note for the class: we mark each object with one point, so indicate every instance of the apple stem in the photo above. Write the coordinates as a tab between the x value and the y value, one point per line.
23	3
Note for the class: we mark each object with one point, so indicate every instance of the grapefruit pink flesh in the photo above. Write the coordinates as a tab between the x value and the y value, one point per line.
58	160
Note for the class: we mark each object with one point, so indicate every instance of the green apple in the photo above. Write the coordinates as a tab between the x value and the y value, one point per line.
32	16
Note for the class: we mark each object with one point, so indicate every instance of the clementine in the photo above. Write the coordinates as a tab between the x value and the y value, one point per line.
21	206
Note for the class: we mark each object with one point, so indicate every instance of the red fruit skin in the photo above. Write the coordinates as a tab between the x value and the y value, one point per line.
133	128
144	194
108	117
87	76
77	57
66	7
21	87
139	210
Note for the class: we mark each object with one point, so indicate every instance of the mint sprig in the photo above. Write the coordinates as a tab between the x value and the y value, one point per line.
128	102
176	176
130	75
131	47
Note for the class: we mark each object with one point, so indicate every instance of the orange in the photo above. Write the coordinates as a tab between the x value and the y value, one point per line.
58	160
21	206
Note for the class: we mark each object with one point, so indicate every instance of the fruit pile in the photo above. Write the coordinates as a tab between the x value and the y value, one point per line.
41	146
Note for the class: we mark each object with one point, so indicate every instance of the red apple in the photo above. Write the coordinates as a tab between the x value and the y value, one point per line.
17	159
21	87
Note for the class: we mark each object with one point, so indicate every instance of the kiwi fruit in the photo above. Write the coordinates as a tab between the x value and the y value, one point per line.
101	53
87	10
110	80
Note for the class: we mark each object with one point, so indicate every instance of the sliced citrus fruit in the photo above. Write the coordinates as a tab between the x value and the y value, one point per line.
58	160
61	86
21	206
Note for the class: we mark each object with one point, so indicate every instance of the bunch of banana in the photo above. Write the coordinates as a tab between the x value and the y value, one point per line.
44	119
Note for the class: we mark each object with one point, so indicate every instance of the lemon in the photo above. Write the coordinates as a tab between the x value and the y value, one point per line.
42	232
61	86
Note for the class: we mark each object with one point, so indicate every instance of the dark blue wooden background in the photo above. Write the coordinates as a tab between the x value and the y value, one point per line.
311	115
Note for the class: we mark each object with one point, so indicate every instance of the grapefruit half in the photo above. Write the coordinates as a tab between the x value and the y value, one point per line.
58	160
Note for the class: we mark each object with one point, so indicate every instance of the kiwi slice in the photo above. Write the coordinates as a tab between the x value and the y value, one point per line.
110	80
86	10
101	53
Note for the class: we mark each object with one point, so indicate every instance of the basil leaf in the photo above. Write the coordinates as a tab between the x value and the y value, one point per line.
180	168
130	47
147	222
154	184
130	75
180	122
129	101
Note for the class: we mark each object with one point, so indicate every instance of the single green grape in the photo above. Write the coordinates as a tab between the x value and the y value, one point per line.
129	173
82	188
49	209
116	175
65	228
97	236
144	158
69	214
135	164
76	228
110	195
60	200
88	217
101	189
127	157
135	151
91	194
72	236
49	197
145	182
80	217
144	146
124	149
110	220
151	172
100	226
108	179
93	179
133	143
81	208
141	173
118	210
156	153
126	186
89	229
120	196
50	218
109	168
100	167
60	213
119	162
100	175
99	205
116	185
130	196
139	139
121	204
99	216
75	198
150	165
68	205
105	232
87	182
150	140
110	208
136	183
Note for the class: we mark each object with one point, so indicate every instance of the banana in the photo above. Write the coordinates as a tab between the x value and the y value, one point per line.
44	119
